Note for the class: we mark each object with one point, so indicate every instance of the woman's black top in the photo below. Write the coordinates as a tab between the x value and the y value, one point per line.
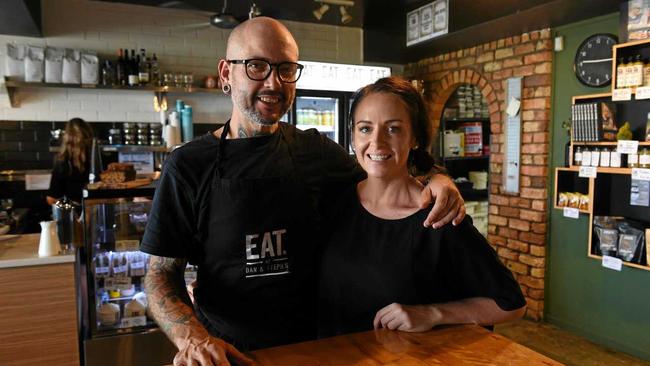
370	262
67	180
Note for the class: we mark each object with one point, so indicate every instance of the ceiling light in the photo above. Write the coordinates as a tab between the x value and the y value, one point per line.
345	17
318	13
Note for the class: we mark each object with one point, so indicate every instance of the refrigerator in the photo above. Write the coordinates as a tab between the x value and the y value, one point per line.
114	328
324	95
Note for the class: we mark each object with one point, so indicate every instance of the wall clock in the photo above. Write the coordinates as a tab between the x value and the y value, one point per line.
593	61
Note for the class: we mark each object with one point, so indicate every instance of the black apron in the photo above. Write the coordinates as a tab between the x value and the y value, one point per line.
256	284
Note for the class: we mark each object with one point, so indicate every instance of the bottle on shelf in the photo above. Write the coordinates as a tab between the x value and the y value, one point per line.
595	157
133	70
629	73
605	157
637	78
577	156
119	69
143	68
633	160
127	67
620	73
646	72
586	157
644	158
155	71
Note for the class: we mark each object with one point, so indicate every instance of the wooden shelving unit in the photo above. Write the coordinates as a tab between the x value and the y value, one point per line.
565	175
12	87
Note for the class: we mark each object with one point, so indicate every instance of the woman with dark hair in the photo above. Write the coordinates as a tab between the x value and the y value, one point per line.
72	164
381	268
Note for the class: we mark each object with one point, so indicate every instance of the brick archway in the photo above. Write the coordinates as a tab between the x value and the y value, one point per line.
517	224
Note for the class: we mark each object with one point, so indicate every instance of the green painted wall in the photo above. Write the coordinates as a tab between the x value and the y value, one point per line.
605	306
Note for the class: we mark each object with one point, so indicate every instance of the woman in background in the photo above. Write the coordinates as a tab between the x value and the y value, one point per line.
72	164
381	268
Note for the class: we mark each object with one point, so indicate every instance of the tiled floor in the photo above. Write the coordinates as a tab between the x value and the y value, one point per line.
563	346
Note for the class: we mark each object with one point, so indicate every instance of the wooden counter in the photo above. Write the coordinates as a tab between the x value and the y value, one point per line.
456	345
38	310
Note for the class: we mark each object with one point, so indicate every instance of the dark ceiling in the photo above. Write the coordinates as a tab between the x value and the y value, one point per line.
471	22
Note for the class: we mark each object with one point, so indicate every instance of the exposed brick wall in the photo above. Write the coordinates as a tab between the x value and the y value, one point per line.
517	224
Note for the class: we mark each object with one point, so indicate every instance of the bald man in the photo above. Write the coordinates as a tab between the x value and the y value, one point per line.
243	204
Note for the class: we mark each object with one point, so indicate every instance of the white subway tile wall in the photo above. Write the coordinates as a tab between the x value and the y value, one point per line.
104	27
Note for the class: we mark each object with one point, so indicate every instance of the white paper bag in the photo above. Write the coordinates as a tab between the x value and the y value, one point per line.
71	67
15	62
34	64
89	68
53	64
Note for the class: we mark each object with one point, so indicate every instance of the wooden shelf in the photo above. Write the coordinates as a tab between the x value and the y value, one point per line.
633	265
590	96
605	143
12	87
467	119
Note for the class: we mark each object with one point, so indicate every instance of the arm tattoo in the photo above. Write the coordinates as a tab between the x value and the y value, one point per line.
169	302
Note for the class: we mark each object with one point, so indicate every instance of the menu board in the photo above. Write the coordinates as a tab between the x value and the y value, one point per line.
427	22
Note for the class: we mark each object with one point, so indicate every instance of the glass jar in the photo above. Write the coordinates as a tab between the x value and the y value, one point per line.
595	157
633	160
130	139
644	158
577	156
605	156
115	136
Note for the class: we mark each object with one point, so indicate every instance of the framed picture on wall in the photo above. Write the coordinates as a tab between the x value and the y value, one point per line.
427	22
635	20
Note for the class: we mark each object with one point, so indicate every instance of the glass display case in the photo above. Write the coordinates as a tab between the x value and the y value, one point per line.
111	270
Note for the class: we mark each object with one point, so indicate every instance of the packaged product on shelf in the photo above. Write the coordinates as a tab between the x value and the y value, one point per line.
615	159
119	265
607	234
577	156
629	240
644	158
137	262
647	129
53	64
89	68
563	199
34	64
574	200
632	160
15	61
584	202
134	308
605	156
101	265
71	67
607	116
108	313
586	157
595	157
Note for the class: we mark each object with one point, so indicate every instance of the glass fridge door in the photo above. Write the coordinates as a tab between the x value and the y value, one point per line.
321	113
116	266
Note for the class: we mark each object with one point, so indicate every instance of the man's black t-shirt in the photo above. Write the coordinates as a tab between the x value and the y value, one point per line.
369	263
67	180
235	306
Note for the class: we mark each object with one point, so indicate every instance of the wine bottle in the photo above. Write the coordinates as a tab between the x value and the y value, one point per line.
155	71
133	70
119	69
143	69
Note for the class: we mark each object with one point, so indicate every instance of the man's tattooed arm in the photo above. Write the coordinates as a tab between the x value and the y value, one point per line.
169	302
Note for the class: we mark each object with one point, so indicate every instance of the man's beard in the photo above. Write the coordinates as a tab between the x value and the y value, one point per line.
254	115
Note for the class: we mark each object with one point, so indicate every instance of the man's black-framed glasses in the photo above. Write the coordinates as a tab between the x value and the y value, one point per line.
258	70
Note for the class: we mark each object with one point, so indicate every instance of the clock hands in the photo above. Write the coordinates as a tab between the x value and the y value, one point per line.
596	61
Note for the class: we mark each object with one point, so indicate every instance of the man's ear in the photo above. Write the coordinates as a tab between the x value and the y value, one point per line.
224	72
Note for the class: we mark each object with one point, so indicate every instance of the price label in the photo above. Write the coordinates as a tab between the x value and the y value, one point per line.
571	212
622	94
133	321
640	174
117	283
642	93
588	172
612	263
627	146
127	245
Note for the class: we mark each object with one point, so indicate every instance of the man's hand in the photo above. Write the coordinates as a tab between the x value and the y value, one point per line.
408	318
210	351
448	203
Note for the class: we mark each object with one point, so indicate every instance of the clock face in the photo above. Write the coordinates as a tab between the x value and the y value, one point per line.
593	61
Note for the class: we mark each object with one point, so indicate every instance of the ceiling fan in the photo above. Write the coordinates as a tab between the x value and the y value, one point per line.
223	19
